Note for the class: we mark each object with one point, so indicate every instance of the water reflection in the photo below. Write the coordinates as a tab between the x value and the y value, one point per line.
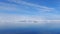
33	28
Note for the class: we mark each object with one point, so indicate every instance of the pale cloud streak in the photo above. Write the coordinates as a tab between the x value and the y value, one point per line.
39	8
8	7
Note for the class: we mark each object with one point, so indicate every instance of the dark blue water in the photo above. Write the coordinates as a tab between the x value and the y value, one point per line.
29	31
46	29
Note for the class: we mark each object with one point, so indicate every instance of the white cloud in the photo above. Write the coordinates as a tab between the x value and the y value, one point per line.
8	7
17	18
9	20
39	8
13	20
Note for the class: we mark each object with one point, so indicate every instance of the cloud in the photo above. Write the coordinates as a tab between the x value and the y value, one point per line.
16	18
37	7
8	7
9	20
15	4
20	20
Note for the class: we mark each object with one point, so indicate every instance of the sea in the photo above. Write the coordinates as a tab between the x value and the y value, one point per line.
31	28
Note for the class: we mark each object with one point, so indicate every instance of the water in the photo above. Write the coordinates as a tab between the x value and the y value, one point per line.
48	28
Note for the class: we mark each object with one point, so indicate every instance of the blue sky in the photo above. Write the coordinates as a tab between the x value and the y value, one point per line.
16	10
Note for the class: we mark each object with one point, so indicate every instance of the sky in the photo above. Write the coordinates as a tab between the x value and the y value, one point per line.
17	10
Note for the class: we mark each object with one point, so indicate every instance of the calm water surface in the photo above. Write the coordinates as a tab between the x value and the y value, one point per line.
48	28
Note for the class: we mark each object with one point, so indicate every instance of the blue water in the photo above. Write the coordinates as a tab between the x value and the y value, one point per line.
46	29
30	31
